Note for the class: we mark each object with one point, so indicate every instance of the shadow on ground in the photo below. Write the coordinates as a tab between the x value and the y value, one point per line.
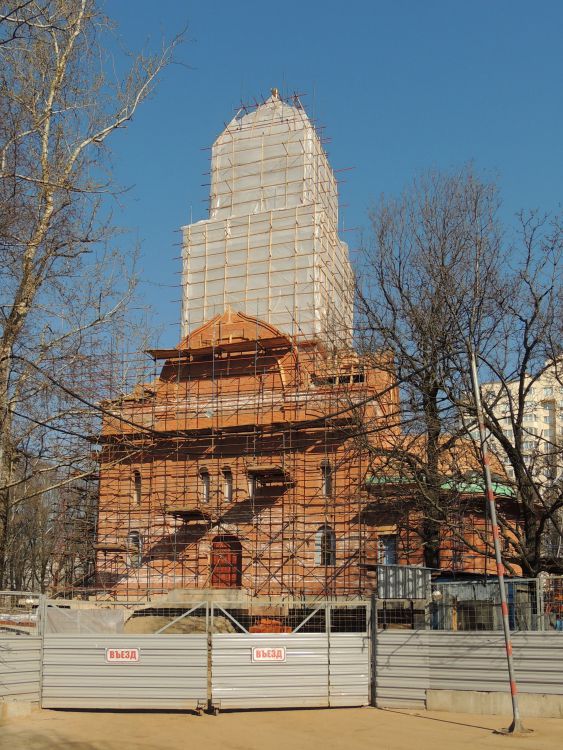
16	739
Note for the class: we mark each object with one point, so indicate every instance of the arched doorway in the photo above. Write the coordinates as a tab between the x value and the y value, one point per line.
226	562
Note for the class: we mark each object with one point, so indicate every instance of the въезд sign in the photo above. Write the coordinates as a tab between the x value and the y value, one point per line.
122	655
268	653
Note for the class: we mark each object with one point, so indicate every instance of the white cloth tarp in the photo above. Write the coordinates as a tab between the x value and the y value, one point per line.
61	620
270	248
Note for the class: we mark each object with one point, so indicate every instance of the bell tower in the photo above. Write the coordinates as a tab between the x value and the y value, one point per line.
270	247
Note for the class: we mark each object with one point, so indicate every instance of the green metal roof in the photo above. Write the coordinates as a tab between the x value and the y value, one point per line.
477	488
463	487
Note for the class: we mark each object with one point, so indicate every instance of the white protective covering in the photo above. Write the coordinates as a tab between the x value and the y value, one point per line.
270	247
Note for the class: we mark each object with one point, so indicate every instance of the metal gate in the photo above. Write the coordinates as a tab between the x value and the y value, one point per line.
322	659
161	672
92	670
257	657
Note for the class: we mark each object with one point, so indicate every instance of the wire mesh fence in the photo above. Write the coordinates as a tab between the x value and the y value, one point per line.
19	613
315	618
211	617
534	604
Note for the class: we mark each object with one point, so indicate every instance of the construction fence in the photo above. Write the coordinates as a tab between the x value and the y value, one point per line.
534	604
196	657
415	669
217	655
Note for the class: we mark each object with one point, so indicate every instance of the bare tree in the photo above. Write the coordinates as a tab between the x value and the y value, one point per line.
65	282
433	252
522	370
441	277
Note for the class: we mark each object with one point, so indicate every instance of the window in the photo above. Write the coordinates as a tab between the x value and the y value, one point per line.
357	377
136	488
227	485
387	549
548	391
325	546
252	486
135	546
205	485
326	476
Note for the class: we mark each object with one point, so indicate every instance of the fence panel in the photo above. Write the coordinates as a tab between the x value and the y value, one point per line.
402	668
411	662
85	671
477	661
298	677
349	669
20	668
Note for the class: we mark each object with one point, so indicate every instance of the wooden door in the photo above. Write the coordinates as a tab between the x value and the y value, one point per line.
226	562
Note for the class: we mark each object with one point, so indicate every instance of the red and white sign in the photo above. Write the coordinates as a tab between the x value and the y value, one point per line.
268	653
122	655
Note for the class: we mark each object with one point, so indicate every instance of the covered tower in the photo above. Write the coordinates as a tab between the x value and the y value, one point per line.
270	247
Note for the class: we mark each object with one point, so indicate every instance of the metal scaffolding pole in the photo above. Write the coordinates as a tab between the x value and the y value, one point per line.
516	726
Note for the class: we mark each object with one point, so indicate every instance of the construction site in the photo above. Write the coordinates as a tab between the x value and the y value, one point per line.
246	460
254	544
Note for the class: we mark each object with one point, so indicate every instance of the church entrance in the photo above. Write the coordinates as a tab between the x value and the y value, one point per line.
226	562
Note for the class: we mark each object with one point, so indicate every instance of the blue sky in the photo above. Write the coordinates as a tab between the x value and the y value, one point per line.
400	86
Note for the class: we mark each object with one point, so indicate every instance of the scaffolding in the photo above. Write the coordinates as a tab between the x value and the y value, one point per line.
236	467
239	459
270	247
227	468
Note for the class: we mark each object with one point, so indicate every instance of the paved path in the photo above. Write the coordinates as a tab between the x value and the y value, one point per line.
336	729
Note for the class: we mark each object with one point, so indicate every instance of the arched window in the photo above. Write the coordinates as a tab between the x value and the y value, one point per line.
205	485
135	545
326	477
325	546
136	487
227	485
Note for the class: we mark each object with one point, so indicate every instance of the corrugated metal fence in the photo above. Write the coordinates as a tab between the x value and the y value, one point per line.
84	659
170	673
315	669
408	663
321	657
20	668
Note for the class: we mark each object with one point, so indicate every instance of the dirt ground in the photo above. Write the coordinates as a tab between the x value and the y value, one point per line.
335	729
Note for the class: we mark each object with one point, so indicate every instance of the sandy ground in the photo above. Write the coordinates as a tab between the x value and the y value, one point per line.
336	729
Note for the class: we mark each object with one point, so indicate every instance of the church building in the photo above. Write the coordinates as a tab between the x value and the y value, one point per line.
242	464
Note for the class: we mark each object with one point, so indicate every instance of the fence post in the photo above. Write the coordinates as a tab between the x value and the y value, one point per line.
209	616
540	617
328	628
41	622
373	649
